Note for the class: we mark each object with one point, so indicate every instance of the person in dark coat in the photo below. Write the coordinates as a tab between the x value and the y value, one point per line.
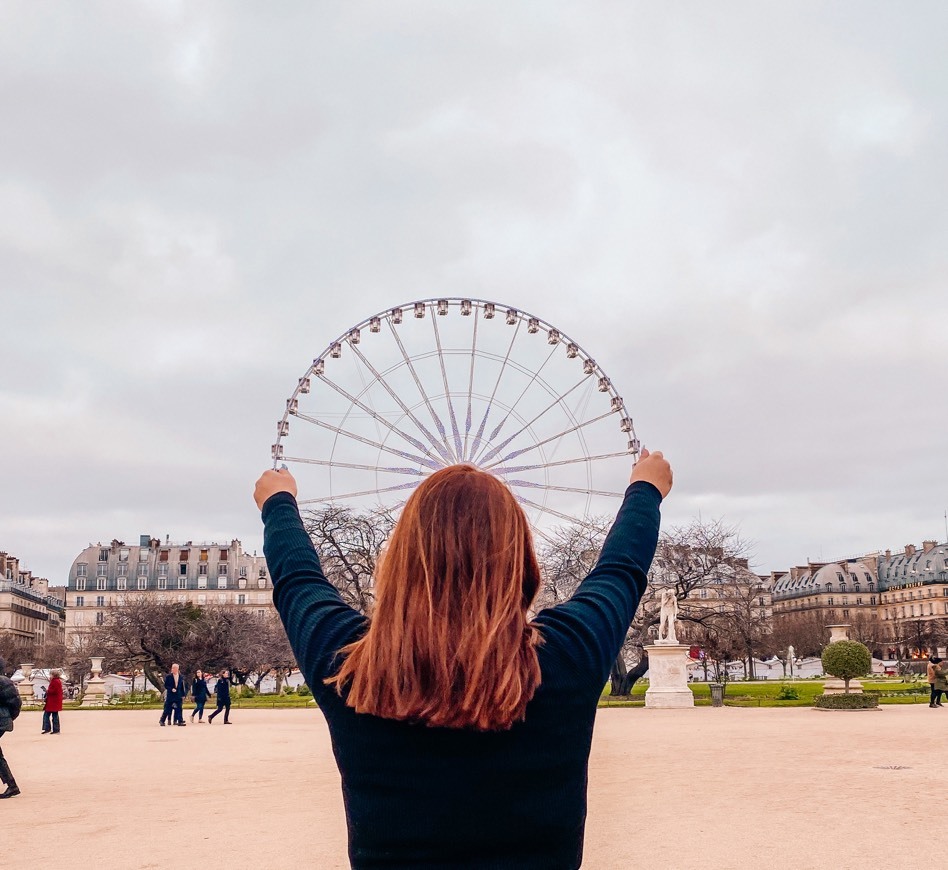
199	692
10	704
222	689
54	703
174	697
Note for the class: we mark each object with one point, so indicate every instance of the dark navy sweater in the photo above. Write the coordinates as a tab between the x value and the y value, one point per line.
421	797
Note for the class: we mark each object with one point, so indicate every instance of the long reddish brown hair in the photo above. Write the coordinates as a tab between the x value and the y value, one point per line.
449	643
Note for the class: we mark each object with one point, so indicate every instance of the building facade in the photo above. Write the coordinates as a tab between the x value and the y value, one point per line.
899	601
104	576
30	610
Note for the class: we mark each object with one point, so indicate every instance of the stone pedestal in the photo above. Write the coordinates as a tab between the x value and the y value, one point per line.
25	686
838	632
668	676
94	695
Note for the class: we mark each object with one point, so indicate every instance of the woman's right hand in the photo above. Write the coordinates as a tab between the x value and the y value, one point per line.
653	468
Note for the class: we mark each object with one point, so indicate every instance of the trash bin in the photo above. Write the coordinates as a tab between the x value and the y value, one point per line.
717	694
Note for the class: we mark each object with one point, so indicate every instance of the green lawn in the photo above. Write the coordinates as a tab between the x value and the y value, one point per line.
764	693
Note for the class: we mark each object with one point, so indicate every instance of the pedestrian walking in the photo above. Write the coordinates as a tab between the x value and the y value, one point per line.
174	698
940	681
10	704
461	727
199	692
222	690
54	703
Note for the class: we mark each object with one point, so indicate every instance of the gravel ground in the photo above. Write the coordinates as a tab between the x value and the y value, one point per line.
703	788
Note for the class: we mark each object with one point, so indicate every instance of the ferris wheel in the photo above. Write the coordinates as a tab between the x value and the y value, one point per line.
441	381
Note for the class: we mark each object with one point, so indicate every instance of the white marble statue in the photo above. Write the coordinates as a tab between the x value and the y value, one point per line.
667	617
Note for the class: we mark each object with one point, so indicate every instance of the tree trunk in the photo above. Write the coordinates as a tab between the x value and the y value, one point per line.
623	679
847	685
149	673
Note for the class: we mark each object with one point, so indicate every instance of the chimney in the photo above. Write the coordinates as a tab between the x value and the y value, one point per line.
928	546
910	549
888	555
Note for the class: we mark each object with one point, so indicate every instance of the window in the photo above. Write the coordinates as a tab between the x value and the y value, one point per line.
704	593
162	582
100	601
120	600
182	582
829	601
81	583
760	602
243	571
183	569
143	582
80	618
101	569
100	618
123	569
142	569
123	554
163	570
100	582
104	554
262	572
261	613
859	600
120	583
872	599
223	555
931	609
839	575
241	599
845	614
221	582
202	582
202	568
81	602
222	598
202	599
163	555
221	569
184	555
262	583
142	554
82	569
203	555
182	599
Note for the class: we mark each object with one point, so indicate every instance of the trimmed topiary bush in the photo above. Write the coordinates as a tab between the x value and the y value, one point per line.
847	702
303	691
847	659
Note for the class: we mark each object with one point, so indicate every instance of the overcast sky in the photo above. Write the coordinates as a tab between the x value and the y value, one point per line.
739	208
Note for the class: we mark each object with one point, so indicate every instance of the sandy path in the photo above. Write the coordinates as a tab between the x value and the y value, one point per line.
726	788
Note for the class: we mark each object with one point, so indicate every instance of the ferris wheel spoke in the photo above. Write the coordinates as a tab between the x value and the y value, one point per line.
516	469
378	417
405	409
470	392
411	457
458	450
562	434
545	509
510	410
493	452
365	492
493	394
533	485
411	368
389	469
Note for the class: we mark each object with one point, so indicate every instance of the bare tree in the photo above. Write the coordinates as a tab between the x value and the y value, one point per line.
567	554
348	543
697	562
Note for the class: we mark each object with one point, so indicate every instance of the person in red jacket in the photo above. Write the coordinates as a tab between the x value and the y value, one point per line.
54	703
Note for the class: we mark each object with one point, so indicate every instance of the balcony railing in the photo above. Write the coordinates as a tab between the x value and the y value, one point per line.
26	592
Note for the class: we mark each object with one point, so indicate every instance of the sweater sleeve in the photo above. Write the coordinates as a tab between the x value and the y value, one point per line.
318	622
590	628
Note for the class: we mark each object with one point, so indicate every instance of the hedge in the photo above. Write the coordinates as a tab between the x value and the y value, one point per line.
847	702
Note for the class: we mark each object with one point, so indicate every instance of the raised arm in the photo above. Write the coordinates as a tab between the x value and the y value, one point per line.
590	628
317	621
